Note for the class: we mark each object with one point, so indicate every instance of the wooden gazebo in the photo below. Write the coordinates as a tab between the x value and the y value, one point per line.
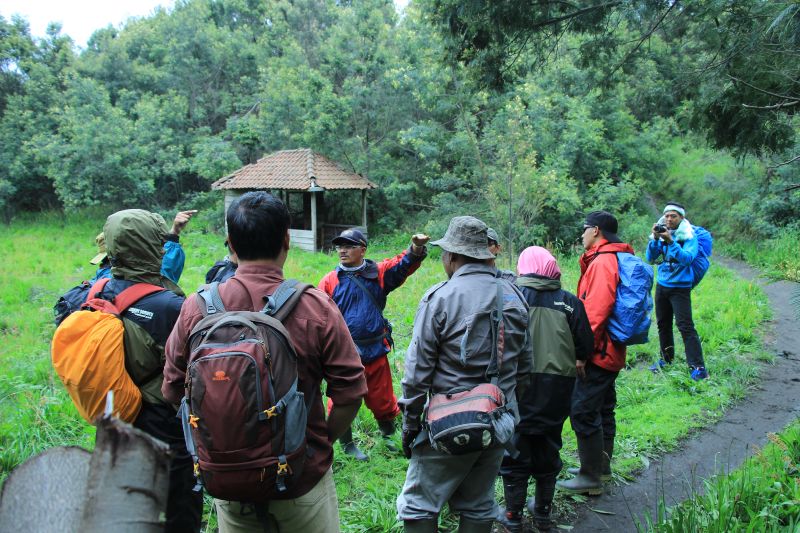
300	177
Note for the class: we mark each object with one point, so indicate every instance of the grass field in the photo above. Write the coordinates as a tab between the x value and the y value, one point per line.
48	254
761	495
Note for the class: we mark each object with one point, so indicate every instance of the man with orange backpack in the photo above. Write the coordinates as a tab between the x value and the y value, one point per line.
148	305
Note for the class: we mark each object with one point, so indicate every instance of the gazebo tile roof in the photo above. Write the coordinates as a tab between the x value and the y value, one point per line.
293	170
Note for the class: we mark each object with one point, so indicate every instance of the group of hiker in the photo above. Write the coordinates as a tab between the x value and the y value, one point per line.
230	377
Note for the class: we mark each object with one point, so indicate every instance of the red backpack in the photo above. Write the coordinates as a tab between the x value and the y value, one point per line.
244	418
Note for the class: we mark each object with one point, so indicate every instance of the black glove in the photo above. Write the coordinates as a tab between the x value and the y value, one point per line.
409	436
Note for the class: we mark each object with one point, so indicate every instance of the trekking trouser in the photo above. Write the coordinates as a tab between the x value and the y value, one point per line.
317	511
677	302
464	482
593	402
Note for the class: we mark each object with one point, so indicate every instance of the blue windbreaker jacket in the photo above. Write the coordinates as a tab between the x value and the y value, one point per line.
366	322
675	271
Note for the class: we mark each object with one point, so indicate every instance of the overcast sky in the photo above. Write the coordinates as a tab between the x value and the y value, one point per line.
80	18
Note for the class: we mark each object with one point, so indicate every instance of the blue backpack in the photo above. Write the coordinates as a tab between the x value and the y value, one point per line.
630	319
705	243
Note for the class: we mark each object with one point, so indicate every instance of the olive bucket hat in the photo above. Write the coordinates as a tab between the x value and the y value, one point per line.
466	236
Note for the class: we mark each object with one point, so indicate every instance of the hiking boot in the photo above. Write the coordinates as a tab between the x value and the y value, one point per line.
699	373
541	505
590	452
604	476
387	428
510	521
608	453
605	470
515	488
350	447
658	366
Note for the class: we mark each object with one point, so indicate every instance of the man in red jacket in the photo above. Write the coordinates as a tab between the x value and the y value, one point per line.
595	397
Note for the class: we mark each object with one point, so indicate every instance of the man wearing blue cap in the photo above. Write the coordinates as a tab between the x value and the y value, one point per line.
359	287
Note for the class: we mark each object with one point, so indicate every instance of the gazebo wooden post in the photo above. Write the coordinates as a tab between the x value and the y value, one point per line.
364	209
314	219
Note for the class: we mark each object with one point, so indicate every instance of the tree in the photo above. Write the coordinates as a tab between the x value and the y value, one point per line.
94	158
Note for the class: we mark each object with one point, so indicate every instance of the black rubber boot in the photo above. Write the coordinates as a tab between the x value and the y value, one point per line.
515	489
421	526
465	525
350	447
605	467
387	428
590	451
541	506
608	453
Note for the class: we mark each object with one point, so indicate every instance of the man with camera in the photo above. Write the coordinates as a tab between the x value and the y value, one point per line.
674	242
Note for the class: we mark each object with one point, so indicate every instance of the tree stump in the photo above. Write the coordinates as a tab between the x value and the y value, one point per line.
46	492
121	487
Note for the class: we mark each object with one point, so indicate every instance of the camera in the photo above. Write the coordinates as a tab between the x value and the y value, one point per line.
660	228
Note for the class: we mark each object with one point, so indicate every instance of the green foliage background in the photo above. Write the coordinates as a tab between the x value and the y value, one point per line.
520	113
149	114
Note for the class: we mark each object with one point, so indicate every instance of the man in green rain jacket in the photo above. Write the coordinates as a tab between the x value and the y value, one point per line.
134	241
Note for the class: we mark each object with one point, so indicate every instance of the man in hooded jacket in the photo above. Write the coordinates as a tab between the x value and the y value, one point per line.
595	397
134	240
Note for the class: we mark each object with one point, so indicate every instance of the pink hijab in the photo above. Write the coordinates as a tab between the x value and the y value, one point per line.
539	261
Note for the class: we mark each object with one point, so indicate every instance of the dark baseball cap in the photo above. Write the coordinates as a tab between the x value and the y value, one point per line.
492	235
351	236
606	222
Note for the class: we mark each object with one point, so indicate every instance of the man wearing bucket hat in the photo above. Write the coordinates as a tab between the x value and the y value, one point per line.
360	286
174	256
450	349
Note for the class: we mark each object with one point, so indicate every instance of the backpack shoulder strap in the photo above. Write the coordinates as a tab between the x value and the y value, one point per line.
133	294
210	300
97	288
493	370
281	302
364	288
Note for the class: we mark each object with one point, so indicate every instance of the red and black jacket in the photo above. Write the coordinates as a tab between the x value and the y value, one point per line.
365	320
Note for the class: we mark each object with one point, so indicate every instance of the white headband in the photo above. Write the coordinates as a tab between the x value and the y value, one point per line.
677	208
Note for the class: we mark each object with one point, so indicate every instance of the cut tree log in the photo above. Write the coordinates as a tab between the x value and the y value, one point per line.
120	487
46	492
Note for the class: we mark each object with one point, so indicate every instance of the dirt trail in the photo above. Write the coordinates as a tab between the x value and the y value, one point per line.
769	408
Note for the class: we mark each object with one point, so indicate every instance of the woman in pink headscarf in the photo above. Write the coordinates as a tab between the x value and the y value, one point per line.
539	261
561	334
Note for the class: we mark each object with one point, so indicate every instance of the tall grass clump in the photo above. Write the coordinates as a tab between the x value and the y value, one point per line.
762	495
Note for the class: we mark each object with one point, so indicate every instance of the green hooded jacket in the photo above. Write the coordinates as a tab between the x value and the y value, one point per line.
135	246
134	242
